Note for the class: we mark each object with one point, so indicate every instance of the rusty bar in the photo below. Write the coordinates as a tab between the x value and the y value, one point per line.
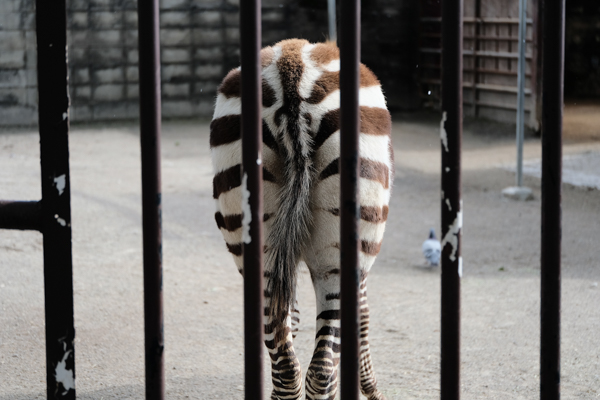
349	201
22	215
53	109
150	124
451	138
250	41
553	40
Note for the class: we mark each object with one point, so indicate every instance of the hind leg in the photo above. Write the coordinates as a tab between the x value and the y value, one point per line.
286	372
368	382
321	377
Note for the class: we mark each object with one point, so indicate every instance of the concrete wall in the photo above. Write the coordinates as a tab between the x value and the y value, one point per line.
199	45
18	71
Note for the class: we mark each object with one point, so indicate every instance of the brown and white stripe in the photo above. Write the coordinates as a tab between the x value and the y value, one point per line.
301	136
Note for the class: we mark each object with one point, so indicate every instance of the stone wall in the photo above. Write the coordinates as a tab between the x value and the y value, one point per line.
199	45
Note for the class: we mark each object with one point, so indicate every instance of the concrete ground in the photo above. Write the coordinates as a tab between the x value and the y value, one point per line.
203	291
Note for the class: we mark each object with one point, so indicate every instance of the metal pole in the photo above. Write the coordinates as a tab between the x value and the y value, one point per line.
332	22
349	202
150	124
250	41
553	39
521	88
451	138
53	111
23	215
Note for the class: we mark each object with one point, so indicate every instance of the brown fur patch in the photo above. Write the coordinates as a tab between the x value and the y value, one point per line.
375	121
367	77
375	171
324	53
226	180
268	95
229	222
370	248
266	56
232	84
374	214
225	130
235	249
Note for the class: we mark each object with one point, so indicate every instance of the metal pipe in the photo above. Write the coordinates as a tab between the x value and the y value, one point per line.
250	42
332	20
553	40
150	125
349	201
521	88
451	138
53	110
23	215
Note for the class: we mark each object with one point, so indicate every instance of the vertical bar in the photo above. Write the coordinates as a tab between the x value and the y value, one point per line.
553	41
521	88
476	45
331	18
51	29
250	41
150	125
451	137
350	210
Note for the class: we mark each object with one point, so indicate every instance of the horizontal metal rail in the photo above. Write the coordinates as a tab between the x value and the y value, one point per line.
487	54
21	215
484	20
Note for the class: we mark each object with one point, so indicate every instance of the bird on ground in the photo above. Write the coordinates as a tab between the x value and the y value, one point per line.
432	249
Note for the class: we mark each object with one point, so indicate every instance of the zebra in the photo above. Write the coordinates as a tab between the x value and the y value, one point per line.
301	140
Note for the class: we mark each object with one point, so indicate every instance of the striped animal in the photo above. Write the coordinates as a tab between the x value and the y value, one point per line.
301	137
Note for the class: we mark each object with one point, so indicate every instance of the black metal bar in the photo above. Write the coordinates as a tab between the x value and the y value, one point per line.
553	39
150	124
23	215
53	111
250	41
451	137
349	201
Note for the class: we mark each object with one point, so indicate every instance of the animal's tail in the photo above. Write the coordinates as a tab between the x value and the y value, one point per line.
285	243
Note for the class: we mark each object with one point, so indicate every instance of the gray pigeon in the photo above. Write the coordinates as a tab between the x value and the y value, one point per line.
432	249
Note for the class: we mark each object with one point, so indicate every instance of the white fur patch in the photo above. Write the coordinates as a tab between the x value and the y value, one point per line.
225	106
226	156
332	66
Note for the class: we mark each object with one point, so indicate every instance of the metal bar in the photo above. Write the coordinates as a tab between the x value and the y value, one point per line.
521	89
553	41
349	201
250	42
331	18
23	215
451	138
53	109
150	126
484	20
476	59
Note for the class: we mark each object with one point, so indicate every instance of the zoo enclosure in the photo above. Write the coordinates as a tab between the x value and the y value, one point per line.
52	214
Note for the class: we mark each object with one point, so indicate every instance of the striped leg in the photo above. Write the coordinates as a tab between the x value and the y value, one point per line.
368	382
286	372
321	377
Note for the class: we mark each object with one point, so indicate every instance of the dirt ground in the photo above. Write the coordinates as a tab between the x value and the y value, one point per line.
203	291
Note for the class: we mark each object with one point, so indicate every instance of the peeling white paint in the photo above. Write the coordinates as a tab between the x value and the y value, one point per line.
60	182
64	116
443	135
61	221
453	232
447	169
460	267
448	204
246	211
64	375
258	160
